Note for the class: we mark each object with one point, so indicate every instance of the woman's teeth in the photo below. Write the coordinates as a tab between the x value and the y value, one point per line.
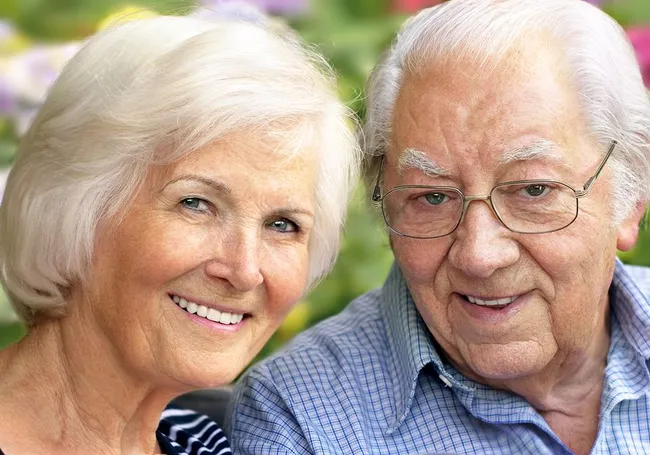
209	313
496	302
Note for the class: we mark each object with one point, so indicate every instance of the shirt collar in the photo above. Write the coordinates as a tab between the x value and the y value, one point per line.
629	298
413	347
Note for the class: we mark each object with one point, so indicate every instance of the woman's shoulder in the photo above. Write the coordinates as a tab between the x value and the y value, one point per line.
185	432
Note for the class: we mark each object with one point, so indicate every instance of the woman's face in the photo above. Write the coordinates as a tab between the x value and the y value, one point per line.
206	263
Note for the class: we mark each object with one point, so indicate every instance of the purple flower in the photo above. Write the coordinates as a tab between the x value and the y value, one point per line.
7	98
230	10
26	78
284	7
288	7
6	30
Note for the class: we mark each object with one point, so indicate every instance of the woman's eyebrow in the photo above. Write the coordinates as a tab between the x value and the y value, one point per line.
293	210
217	185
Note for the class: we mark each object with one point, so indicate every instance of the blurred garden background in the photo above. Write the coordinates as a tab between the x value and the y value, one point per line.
38	36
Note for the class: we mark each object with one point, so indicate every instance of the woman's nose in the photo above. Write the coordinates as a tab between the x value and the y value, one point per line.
237	260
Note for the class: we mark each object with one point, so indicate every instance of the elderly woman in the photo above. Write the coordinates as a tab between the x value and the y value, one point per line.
181	188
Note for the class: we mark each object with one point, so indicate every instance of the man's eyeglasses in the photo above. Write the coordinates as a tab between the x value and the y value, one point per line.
523	206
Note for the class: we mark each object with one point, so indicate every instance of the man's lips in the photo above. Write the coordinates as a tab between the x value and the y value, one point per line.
492	302
495	301
493	312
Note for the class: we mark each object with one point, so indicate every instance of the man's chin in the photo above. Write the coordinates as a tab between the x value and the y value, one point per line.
503	362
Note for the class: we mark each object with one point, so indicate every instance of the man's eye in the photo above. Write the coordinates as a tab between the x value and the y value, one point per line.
196	204
283	225
435	198
537	190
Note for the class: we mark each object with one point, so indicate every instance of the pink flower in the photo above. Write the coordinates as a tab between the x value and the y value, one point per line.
411	6
640	38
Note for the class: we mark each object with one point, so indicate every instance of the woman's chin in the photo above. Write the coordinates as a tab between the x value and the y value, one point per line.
209	378
186	369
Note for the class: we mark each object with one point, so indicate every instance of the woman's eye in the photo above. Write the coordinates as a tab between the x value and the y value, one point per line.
283	225
196	204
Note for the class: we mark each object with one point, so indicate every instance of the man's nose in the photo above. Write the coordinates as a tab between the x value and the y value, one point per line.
237	260
482	245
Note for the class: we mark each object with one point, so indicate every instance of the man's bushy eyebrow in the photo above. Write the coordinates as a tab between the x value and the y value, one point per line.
412	158
539	149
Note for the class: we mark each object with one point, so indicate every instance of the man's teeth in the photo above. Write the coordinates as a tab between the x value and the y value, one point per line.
208	313
497	302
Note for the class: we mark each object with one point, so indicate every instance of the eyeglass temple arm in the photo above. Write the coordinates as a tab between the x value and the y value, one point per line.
376	192
587	187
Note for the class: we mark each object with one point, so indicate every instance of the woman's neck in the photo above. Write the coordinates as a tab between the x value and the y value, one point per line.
66	389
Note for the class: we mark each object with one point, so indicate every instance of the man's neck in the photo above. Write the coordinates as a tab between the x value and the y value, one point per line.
567	383
567	393
88	401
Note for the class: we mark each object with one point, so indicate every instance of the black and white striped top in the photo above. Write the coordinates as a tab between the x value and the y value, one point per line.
185	432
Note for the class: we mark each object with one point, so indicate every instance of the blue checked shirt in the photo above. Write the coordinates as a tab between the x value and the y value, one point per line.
369	381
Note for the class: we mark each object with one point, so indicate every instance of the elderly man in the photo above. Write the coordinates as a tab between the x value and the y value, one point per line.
508	147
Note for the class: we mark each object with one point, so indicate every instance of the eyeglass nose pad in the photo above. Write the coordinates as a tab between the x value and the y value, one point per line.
464	212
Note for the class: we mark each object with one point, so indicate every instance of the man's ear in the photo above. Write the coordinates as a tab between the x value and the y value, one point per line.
628	231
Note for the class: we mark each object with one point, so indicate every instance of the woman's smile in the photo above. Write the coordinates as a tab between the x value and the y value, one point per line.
218	318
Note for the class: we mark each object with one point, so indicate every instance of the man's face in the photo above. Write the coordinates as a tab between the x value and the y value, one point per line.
464	123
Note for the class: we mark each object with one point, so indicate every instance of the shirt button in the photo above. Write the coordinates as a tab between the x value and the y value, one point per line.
445	380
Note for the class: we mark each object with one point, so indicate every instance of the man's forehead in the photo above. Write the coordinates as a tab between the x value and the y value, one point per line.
462	96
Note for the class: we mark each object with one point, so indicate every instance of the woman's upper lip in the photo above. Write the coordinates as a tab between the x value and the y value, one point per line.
208	304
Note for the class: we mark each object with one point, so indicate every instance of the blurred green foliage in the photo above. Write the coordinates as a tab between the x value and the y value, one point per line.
629	12
352	34
7	144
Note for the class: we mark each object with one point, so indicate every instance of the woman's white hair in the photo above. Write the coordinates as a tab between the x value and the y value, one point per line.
601	64
150	92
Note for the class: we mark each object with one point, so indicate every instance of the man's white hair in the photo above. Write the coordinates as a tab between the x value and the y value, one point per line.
150	92
601	62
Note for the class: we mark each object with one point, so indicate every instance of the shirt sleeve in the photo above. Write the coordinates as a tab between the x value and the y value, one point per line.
260	422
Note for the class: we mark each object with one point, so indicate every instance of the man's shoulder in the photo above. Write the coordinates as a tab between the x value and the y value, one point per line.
340	361
311	396
339	340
